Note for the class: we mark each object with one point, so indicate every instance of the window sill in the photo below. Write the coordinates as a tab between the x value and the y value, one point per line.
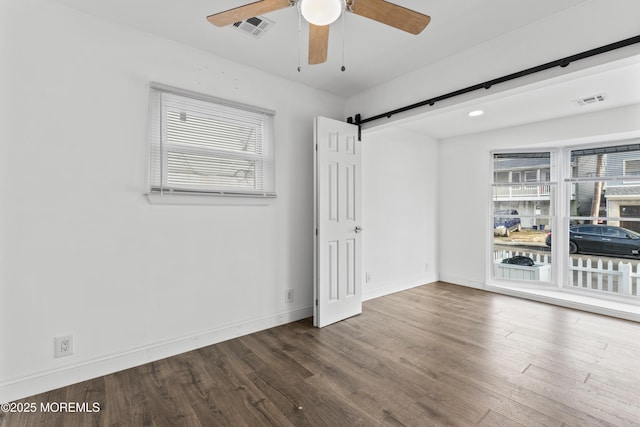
156	198
622	310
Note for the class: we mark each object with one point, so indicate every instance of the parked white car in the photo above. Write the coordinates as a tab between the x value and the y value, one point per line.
503	226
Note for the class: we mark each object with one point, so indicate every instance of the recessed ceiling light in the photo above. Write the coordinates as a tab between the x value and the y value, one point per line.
476	113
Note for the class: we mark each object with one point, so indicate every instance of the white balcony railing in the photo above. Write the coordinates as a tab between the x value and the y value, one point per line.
523	192
526	192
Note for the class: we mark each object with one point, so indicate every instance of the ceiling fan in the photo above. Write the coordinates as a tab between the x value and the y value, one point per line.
321	13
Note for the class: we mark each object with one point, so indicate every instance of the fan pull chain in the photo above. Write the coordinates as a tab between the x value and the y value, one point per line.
342	22
299	39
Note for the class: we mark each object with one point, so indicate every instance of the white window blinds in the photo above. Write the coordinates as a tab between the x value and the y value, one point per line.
205	145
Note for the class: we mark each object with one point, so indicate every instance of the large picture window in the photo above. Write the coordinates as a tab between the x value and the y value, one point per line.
588	228
209	146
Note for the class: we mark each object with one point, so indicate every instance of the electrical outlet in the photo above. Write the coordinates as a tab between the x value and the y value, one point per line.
426	266
289	296
368	277
64	346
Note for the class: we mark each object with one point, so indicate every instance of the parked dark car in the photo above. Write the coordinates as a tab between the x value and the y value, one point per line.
503	226
602	240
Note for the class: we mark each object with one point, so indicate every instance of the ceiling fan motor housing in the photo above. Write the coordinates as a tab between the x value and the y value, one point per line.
321	12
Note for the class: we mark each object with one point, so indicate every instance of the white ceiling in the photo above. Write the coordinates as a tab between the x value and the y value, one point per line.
618	81
375	53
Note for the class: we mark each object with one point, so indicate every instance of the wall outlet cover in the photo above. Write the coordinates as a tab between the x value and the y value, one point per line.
64	345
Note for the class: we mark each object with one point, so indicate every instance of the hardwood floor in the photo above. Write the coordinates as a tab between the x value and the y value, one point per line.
432	356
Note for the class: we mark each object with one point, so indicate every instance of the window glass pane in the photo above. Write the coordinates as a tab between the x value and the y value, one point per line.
502	176
192	129
588	229
632	167
522	166
521	201
588	200
604	243
200	172
604	259
606	162
614	232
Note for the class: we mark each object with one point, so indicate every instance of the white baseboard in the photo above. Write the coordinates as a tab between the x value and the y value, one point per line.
18	388
462	281
380	291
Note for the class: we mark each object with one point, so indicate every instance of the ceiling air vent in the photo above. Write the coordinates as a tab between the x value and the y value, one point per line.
591	99
255	27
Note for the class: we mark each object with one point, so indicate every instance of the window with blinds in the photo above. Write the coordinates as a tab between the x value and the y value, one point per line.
209	146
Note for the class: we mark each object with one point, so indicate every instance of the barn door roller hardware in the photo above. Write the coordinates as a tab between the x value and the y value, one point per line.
564	62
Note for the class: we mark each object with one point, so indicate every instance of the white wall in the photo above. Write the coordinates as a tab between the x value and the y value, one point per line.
400	193
465	175
83	252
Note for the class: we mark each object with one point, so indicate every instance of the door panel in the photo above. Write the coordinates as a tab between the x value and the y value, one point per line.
337	248
351	267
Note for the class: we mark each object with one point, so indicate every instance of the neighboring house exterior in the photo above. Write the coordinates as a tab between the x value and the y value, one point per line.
620	192
623	202
526	188
530	195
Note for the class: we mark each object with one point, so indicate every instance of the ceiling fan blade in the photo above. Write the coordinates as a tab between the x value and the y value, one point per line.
250	10
391	14
318	43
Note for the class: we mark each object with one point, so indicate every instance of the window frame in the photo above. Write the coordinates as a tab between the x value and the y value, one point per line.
636	170
491	278
163	99
562	174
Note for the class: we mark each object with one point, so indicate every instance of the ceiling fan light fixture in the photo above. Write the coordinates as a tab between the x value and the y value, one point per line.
321	12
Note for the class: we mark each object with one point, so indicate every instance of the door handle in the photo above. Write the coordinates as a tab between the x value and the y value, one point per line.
357	229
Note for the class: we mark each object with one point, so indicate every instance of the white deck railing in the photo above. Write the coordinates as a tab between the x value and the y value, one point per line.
528	192
620	278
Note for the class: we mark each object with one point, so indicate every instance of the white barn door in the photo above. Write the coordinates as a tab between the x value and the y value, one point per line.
338	248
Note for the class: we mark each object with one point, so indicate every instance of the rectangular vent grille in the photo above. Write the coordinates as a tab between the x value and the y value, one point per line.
255	27
591	99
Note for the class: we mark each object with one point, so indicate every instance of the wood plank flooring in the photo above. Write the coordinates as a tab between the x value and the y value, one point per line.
436	355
